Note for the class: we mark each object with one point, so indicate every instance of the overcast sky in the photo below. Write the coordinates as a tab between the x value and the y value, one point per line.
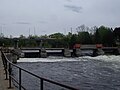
49	16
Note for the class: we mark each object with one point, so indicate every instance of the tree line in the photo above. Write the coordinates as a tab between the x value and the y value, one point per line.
84	35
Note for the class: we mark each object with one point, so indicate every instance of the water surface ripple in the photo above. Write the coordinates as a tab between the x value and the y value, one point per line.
84	73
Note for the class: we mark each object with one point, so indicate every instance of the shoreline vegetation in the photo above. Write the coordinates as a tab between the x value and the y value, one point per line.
84	35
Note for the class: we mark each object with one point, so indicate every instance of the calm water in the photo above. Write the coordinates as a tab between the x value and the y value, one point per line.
84	73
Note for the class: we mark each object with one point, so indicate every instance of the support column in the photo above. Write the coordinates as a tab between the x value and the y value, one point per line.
78	52
42	51
67	53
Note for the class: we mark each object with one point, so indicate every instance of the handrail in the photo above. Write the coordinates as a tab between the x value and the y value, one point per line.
9	69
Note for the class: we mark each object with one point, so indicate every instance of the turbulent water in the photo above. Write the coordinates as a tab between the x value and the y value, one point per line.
83	73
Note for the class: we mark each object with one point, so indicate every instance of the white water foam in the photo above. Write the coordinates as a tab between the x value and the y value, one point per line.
107	58
49	59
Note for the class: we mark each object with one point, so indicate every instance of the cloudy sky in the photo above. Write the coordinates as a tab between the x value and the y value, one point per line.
49	16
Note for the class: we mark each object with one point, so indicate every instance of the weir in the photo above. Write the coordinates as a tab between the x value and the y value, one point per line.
44	52
17	52
77	50
8	66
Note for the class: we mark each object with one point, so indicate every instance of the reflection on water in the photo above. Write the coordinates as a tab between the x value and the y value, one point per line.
84	73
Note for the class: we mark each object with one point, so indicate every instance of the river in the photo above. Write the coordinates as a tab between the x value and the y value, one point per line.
83	73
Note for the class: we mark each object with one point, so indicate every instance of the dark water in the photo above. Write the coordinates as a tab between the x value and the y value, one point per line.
86	74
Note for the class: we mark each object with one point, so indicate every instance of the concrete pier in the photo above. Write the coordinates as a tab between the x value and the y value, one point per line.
43	53
67	53
76	52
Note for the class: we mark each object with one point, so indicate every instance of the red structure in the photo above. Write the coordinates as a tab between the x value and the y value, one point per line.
99	45
76	46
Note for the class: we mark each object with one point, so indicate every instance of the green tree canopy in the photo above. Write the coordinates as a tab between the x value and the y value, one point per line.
57	35
104	35
84	37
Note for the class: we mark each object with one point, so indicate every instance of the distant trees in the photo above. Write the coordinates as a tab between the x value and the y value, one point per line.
105	36
116	34
58	42
85	35
57	35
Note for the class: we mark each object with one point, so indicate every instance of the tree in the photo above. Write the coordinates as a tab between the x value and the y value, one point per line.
22	37
81	28
116	34
73	40
56	35
84	38
104	35
98	39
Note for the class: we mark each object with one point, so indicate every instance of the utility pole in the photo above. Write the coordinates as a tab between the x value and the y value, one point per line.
1	34
64	31
34	31
29	32
71	30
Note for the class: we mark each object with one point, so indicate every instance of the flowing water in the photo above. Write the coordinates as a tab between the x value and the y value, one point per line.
83	73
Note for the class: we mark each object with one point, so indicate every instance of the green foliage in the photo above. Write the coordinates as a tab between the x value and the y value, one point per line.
85	35
56	35
104	35
73	40
116	34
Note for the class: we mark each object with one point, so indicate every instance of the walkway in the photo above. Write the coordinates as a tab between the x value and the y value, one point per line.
3	83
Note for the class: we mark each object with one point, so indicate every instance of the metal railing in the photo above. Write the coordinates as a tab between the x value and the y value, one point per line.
8	71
